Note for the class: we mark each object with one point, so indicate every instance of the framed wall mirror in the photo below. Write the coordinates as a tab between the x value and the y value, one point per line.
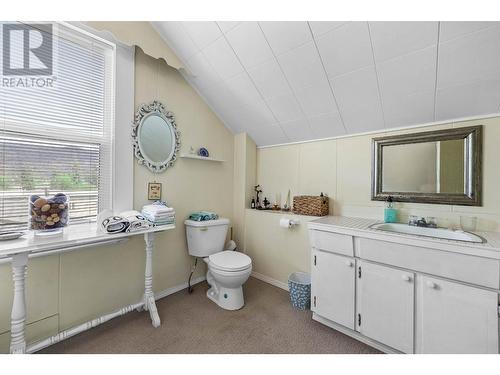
441	167
155	137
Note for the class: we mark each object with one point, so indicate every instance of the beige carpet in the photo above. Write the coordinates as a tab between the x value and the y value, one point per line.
194	324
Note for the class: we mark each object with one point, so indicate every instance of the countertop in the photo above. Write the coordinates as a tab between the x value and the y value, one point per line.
361	227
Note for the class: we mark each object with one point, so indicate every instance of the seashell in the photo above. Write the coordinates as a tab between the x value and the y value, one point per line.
56	219
62	206
40	202
50	223
54	215
43	217
45	207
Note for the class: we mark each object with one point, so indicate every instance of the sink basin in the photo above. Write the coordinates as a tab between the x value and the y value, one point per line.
447	234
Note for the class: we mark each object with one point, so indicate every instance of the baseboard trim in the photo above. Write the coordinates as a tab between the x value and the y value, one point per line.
270	280
178	288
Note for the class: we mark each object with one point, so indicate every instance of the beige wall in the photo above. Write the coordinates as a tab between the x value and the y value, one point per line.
72	288
342	169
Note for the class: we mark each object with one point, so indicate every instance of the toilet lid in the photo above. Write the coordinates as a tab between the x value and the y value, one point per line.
230	261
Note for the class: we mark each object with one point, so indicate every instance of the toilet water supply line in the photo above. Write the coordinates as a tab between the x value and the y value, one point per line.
231	246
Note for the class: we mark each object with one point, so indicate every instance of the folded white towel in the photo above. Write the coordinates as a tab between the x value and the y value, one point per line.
155	208
136	219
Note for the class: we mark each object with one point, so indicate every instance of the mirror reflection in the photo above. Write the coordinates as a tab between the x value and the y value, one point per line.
427	167
156	138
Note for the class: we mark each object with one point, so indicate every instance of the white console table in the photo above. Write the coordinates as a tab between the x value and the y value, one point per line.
74	237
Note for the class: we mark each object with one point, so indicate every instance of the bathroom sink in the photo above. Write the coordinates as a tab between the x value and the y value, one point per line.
442	233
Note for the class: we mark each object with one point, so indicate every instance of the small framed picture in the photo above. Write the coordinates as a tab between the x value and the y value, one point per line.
154	191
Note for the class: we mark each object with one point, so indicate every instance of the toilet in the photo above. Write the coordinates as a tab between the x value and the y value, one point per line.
227	270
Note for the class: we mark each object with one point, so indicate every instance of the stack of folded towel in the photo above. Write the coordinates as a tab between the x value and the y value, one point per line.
203	216
159	213
128	221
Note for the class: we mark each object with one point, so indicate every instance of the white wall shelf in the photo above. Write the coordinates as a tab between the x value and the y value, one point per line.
190	156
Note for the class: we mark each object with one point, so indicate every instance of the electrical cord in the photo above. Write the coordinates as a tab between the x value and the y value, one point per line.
193	268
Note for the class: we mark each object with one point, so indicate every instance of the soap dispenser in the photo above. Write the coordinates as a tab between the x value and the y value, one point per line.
390	211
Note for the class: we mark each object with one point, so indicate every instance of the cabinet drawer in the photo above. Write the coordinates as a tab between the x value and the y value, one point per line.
466	268
332	242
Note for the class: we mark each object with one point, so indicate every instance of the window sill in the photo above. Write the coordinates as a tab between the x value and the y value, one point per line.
73	236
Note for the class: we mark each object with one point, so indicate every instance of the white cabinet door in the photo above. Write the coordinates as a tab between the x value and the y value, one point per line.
385	301
455	318
332	282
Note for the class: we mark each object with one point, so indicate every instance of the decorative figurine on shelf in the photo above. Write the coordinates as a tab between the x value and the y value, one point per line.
203	152
286	206
252	204
266	204
258	190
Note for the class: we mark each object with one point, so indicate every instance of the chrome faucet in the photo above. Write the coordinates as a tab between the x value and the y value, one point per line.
422	222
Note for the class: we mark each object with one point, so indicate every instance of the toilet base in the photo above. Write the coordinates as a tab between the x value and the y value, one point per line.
227	298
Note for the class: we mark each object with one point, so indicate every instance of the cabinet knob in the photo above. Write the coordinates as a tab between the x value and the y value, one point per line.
349	263
431	285
406	278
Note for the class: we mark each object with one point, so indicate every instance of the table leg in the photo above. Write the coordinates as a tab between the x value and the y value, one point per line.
149	298
18	315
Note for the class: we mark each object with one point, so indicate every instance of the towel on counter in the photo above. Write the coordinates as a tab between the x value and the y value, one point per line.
114	224
203	216
137	221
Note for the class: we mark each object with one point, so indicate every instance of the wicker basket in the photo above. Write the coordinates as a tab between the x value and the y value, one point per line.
310	205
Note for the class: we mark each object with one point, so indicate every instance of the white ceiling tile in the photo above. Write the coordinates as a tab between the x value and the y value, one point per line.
346	48
297	130
358	100
391	39
249	44
202	32
405	110
177	38
225	26
285	108
470	58
302	66
242	88
222	58
453	29
408	74
268	135
269	79
286	35
321	27
473	99
199	66
316	100
329	125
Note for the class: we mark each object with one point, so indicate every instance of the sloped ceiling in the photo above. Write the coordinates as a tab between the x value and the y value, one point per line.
294	81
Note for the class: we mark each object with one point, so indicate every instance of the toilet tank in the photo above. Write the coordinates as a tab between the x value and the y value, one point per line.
206	237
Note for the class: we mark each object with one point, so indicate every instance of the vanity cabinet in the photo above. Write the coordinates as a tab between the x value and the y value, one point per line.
455	318
405	296
385	298
332	287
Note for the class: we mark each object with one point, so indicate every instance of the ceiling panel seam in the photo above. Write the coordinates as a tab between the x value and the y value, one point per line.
286	78
327	77
251	79
380	102
437	70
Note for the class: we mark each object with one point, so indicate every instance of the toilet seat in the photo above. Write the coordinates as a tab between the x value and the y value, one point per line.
229	261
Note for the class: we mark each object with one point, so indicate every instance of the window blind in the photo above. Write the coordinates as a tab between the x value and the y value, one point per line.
59	139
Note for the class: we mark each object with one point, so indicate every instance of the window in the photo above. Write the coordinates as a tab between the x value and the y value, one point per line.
58	137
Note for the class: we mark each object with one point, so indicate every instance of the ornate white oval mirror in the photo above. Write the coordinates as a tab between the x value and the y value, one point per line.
155	137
